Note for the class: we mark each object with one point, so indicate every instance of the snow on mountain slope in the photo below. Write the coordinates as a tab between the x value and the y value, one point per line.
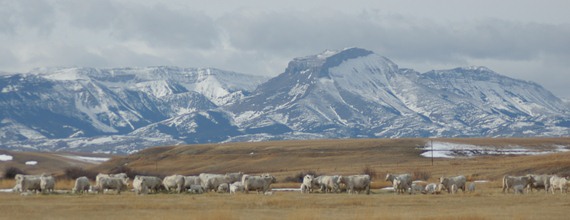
59	103
356	93
347	93
196	127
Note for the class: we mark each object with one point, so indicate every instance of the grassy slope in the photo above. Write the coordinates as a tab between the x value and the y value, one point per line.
287	158
53	163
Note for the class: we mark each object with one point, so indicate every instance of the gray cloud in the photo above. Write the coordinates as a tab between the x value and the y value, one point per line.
161	26
259	38
397	37
34	15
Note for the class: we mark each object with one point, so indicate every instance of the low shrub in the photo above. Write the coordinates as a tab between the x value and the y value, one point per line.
298	178
370	171
131	173
421	175
76	172
10	172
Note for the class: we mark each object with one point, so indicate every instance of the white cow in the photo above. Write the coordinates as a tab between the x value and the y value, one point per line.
27	182
260	183
540	182
236	187
328	183
211	182
557	182
406	177
356	183
139	185
47	183
152	183
510	181
115	183
459	182
174	182
82	185
307	184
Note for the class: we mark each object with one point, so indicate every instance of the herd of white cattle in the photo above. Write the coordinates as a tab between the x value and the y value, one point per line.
240	182
205	182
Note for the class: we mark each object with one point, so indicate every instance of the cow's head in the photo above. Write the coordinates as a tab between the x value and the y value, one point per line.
308	179
443	180
341	179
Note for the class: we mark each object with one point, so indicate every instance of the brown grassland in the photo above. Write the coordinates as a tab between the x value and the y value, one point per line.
289	158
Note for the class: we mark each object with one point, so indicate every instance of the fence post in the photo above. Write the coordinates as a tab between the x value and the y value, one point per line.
431	143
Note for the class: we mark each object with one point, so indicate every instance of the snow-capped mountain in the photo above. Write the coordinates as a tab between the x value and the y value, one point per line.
336	94
70	103
356	93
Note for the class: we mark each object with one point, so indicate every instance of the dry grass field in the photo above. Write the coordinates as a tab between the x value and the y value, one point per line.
486	203
286	159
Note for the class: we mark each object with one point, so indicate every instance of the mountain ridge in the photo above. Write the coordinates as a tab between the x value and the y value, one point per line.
349	93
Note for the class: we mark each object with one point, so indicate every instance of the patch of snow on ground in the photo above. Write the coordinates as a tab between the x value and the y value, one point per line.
94	160
31	163
286	189
6	190
5	157
453	150
388	189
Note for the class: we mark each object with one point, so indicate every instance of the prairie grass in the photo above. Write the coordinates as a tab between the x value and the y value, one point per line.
487	203
7	183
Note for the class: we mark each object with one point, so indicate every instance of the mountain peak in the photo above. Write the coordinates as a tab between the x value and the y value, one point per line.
325	60
476	68
346	54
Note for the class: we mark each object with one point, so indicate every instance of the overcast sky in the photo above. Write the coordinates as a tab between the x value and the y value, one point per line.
523	39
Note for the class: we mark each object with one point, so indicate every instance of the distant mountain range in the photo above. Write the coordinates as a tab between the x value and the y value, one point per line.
350	93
